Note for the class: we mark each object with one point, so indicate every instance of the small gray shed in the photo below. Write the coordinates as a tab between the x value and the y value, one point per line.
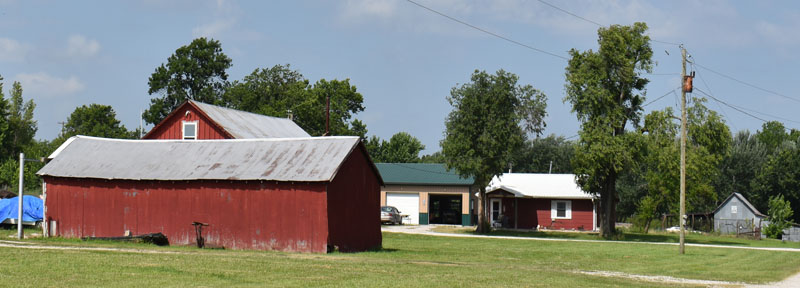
736	215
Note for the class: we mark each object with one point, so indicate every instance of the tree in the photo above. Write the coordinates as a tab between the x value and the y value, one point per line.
772	135
779	215
606	91
277	90
6	150
22	127
95	120
738	168
434	158
401	148
539	154
778	176
195	72
489	122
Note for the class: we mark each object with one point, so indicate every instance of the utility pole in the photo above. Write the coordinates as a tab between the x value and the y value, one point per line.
683	148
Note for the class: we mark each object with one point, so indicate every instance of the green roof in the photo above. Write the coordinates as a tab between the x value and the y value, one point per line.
420	174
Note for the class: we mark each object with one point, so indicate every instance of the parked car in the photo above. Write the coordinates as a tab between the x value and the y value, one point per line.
390	214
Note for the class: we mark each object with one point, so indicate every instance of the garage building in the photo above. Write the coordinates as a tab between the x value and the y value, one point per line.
427	193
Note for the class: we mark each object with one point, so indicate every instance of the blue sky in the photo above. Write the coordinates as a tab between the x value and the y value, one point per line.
402	58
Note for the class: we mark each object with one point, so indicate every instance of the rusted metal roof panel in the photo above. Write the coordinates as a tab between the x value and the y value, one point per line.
246	125
311	159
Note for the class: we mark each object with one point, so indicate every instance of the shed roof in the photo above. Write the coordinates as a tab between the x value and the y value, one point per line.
310	159
243	125
555	186
743	200
420	174
246	125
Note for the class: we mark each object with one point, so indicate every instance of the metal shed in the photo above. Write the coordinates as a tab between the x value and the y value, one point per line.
736	215
309	194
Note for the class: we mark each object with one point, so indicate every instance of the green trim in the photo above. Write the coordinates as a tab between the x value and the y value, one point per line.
465	220
423	218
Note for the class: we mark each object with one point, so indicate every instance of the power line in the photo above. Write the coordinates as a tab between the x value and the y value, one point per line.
487	31
746	83
595	22
718	105
570	13
731	106
659	98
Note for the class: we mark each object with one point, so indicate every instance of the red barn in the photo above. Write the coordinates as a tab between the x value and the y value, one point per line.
197	121
540	201
310	194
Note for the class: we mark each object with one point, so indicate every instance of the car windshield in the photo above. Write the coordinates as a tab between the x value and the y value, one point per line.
386	209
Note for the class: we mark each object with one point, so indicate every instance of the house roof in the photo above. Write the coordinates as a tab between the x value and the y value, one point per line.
743	200
528	185
309	159
244	125
420	174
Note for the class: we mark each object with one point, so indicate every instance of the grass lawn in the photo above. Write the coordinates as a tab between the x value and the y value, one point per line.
665	237
405	261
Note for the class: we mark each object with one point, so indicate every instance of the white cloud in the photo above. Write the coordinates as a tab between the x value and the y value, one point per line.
214	29
80	46
370	8
12	51
43	84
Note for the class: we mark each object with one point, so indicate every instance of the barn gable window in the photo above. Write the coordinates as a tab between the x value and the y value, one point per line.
561	209
189	130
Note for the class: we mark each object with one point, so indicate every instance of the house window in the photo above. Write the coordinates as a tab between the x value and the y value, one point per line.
734	209
189	130
561	209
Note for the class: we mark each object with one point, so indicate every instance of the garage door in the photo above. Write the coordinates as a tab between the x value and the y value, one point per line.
408	204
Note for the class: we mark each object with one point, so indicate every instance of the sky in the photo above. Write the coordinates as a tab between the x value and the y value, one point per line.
402	58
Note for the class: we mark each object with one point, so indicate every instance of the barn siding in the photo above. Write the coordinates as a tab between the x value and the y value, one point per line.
172	127
242	215
354	205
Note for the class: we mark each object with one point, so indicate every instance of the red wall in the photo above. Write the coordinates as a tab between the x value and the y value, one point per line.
172	127
354	205
533	212
242	215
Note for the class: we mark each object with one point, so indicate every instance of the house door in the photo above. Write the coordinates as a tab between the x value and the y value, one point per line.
495	210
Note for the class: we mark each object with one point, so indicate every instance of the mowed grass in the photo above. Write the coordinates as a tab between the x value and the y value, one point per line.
664	237
405	261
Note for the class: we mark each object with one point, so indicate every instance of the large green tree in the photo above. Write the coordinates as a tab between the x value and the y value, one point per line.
278	90
738	168
401	148
779	175
195	72
490	120
606	90
95	120
22	126
6	150
540	154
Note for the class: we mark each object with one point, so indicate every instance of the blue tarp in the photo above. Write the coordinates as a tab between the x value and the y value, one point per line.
32	208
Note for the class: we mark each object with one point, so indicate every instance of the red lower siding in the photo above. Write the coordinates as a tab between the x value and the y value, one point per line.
533	212
242	215
354	205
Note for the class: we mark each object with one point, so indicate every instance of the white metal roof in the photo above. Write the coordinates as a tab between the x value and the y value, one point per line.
556	186
246	125
309	159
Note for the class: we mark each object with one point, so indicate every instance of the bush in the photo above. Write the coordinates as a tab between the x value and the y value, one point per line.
780	212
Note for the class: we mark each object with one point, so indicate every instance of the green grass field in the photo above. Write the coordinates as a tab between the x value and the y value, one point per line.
405	261
664	237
